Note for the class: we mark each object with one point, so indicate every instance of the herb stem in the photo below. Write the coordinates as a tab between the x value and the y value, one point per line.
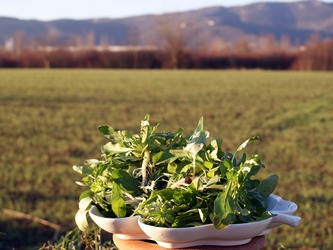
145	162
193	162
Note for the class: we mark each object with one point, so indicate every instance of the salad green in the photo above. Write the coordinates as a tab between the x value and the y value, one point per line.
172	180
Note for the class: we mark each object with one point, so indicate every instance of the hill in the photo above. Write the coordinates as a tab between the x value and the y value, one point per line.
297	21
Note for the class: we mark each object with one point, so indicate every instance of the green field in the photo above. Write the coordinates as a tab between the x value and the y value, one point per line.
49	119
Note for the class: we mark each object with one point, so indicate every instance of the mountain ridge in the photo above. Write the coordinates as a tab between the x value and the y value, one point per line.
295	20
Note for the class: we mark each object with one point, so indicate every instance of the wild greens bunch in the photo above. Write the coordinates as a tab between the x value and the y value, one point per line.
207	185
173	181
128	171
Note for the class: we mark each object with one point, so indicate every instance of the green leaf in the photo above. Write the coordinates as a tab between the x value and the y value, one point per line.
81	220
86	194
126	181
197	142
162	157
200	126
145	127
216	153
241	160
224	210
243	145
208	164
111	148
223	169
181	153
227	163
78	169
172	168
267	186
92	163
104	130
211	173
118	202
187	218
108	132
82	169
81	214
85	203
176	137
204	213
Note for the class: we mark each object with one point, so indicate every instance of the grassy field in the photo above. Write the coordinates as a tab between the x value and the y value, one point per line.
49	119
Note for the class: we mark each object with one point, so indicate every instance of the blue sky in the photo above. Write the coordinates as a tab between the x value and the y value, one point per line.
79	9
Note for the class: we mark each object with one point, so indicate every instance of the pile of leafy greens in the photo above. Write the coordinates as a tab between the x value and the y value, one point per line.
172	180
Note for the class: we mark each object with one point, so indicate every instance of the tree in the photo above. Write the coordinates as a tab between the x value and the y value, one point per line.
173	35
316	55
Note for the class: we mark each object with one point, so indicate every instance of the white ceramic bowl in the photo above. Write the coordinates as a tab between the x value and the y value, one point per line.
124	228
231	235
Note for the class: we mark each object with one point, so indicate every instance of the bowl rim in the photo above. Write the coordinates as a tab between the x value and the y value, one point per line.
94	212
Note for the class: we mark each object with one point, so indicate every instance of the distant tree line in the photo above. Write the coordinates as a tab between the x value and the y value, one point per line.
145	60
318	56
177	45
